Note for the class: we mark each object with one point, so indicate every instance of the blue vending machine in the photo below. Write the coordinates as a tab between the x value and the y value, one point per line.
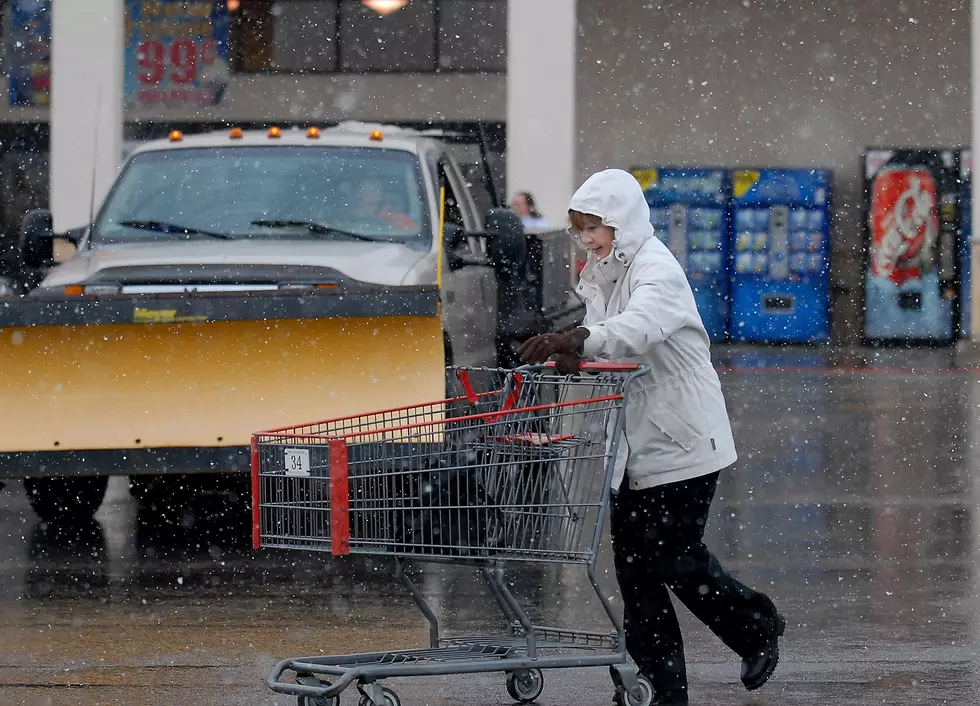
966	230
781	266
689	213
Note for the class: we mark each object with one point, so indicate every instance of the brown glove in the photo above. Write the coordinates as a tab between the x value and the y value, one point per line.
567	363
538	349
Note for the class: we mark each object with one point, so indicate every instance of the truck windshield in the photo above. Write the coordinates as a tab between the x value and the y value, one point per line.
281	192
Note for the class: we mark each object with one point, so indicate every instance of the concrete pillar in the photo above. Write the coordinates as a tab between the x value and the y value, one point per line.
975	145
86	105
541	103
972	470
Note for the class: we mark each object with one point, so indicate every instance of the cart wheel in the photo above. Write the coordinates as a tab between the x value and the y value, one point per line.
317	701
624	698
525	685
391	698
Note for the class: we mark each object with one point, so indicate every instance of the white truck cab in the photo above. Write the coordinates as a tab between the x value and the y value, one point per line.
286	209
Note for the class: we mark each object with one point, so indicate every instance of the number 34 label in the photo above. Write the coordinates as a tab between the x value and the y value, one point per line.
297	462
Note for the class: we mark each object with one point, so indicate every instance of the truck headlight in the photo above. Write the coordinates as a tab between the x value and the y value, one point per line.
320	288
101	289
77	290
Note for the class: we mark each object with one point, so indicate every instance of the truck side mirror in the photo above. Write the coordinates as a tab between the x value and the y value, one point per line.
452	237
37	240
8	287
506	244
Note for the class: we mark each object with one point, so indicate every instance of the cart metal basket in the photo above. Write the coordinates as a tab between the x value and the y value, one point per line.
516	467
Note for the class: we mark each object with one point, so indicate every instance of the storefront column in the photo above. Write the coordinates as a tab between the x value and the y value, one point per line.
541	103
86	106
975	201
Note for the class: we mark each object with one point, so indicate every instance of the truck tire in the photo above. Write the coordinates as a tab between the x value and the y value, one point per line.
66	499
167	497
141	487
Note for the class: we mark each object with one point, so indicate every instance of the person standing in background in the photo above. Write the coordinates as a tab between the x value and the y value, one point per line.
523	206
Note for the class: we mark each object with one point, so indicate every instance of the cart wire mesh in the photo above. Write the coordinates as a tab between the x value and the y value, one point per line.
514	465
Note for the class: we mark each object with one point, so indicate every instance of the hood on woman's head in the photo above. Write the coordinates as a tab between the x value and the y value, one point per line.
616	197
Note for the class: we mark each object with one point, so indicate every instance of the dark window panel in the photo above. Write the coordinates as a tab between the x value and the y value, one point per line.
305	35
23	186
254	32
473	35
345	35
402	41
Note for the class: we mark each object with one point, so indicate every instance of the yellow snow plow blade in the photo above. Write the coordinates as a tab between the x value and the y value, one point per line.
206	384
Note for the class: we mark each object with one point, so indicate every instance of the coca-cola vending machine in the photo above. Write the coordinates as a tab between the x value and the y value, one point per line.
911	224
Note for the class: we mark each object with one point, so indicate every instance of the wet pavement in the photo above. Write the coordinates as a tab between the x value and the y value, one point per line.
854	506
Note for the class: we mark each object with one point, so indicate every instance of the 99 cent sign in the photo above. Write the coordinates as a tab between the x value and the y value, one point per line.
176	53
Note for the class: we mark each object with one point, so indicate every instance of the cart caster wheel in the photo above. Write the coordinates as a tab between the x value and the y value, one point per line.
317	701
310	680
624	698
391	698
525	685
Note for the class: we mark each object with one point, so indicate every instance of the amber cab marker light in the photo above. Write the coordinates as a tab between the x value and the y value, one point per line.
176	136
74	290
275	132
328	285
236	133
377	136
313	133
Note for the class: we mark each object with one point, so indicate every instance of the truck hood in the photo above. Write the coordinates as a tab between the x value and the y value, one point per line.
229	262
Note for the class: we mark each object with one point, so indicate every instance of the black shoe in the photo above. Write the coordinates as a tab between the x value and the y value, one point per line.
759	666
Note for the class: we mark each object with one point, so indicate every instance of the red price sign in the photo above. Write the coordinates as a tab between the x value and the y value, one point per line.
176	62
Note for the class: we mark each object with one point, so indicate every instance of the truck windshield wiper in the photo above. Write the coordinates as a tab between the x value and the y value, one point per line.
163	227
313	227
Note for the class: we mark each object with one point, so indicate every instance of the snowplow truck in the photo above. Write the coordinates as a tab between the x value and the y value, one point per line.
242	280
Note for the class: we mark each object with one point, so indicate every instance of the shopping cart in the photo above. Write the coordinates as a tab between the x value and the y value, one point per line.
516	467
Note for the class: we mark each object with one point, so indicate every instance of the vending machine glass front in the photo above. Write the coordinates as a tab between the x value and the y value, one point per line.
781	243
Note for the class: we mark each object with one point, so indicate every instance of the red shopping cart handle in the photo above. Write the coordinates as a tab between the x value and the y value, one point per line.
602	367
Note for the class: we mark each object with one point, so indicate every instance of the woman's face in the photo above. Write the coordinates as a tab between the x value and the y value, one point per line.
595	237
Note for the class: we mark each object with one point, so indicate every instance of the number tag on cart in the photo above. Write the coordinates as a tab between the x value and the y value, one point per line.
297	462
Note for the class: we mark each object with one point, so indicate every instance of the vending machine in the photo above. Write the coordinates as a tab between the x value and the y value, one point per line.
966	230
781	246
911	267
689	213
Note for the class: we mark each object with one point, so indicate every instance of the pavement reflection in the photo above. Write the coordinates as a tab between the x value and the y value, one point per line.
854	505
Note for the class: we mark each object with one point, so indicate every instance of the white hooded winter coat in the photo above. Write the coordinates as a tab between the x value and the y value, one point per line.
640	309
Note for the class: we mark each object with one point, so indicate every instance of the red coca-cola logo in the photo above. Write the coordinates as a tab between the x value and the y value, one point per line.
905	224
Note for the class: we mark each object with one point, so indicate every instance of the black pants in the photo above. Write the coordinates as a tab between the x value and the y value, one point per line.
658	544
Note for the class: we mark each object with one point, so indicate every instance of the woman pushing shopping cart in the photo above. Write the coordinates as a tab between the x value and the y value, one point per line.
677	439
